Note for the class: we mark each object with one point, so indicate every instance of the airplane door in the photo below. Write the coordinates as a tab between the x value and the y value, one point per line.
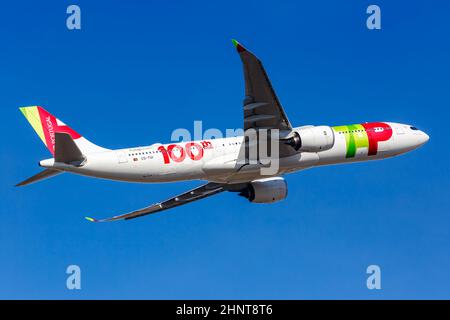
122	157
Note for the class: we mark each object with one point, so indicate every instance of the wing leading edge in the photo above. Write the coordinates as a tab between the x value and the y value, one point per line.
198	193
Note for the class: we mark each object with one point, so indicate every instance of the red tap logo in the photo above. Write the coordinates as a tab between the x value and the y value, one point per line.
376	132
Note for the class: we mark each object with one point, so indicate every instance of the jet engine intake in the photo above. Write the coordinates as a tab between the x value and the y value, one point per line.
266	190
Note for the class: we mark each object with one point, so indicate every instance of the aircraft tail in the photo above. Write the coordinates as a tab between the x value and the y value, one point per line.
66	151
46	126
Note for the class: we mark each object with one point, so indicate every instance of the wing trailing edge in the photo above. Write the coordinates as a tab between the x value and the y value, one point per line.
198	193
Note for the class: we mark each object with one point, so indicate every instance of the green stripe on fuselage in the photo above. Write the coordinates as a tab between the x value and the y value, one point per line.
355	137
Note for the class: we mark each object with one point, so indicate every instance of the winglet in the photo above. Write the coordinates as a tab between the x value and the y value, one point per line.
91	219
238	46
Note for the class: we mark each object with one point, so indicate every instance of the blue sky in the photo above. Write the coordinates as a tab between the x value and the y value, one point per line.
138	69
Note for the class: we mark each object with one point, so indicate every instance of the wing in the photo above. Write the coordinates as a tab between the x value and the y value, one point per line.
262	109
198	193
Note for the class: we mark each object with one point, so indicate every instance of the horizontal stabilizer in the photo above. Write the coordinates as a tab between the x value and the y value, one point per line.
40	176
66	150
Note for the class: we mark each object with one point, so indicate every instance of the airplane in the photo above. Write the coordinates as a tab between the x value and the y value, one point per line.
219	161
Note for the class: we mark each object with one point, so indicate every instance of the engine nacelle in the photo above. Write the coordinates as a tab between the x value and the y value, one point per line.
265	190
311	139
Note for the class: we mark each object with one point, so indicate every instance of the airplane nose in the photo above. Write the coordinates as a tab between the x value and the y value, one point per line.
423	138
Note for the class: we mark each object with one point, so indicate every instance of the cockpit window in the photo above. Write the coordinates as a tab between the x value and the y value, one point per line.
414	128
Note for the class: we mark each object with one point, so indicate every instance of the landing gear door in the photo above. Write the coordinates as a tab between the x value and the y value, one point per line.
122	157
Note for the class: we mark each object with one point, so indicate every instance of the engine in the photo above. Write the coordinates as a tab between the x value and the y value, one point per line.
311	139
265	190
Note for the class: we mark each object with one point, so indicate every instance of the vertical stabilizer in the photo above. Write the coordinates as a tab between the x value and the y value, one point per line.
46	126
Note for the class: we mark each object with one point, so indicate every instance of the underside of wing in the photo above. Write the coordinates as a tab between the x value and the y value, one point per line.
198	193
262	109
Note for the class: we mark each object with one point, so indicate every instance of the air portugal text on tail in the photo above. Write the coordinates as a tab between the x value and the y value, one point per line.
219	161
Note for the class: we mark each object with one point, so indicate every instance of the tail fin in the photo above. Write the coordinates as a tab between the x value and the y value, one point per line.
46	126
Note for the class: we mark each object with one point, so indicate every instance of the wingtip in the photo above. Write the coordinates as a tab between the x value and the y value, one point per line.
91	219
238	46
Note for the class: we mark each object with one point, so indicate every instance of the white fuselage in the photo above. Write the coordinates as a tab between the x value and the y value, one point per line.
216	159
